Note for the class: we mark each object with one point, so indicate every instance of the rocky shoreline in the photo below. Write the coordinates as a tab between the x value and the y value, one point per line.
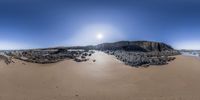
134	53
140	53
44	56
144	59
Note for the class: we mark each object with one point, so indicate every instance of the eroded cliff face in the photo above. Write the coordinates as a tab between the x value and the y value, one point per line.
153	46
141	46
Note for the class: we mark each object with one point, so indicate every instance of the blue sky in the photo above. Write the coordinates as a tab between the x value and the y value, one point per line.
42	23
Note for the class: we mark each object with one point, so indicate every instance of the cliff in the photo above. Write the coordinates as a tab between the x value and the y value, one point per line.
143	46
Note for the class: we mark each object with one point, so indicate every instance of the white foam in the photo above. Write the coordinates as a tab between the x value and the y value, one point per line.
193	54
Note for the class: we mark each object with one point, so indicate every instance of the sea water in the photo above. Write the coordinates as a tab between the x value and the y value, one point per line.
192	53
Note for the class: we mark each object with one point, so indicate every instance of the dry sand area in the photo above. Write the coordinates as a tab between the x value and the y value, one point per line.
105	79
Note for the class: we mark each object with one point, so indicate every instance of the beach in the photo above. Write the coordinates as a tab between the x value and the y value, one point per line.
105	79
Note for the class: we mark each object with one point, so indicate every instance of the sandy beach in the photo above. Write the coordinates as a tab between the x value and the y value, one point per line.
105	79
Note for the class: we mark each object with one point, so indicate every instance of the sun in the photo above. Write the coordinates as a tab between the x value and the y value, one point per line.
99	36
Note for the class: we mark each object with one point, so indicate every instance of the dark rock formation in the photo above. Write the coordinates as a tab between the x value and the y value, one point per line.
141	46
142	58
140	53
44	56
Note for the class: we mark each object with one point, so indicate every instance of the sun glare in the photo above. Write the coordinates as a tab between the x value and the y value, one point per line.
99	36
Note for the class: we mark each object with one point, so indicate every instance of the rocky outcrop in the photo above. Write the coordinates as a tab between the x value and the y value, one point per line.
44	56
141	46
5	58
140	53
137	59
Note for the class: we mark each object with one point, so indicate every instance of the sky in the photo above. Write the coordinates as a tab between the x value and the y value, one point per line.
50	23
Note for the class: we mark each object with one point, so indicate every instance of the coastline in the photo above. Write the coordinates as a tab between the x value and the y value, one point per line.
190	55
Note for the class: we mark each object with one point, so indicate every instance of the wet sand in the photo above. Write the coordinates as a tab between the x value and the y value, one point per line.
105	79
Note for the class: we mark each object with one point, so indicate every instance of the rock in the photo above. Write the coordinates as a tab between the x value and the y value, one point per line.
146	65
77	60
83	56
142	58
5	58
89	54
